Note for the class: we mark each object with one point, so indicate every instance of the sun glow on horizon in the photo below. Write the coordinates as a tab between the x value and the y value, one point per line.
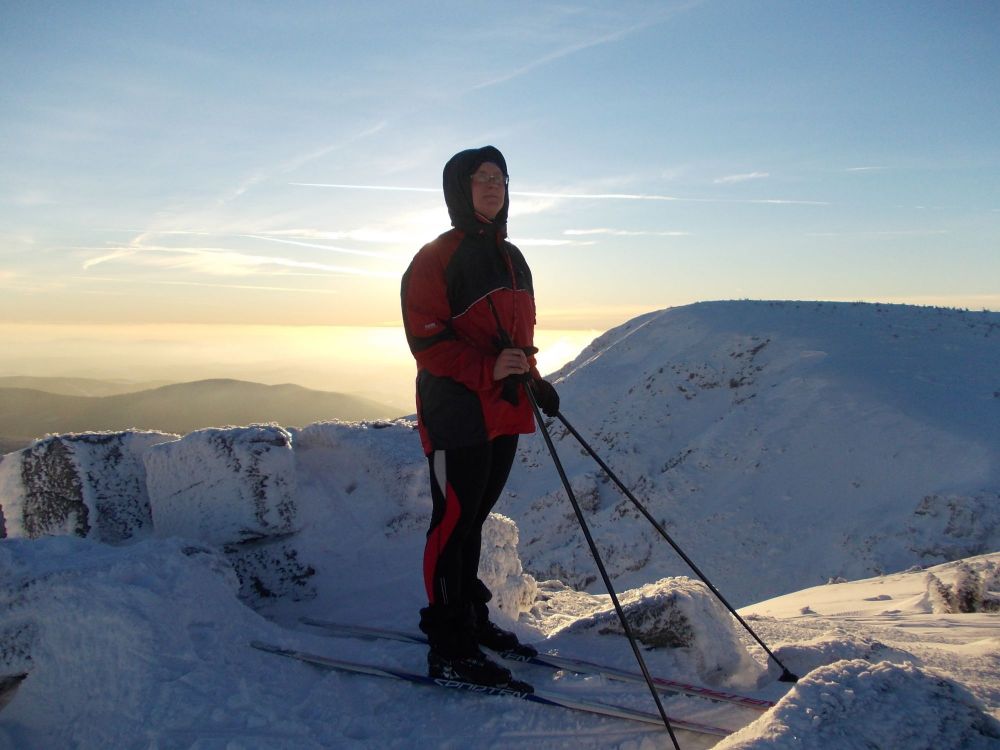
372	361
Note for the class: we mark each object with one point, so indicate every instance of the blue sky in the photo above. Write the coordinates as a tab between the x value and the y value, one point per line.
235	163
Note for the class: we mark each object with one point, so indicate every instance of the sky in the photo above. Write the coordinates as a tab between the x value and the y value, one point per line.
234	189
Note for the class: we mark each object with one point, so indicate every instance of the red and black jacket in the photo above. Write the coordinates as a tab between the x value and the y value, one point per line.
446	296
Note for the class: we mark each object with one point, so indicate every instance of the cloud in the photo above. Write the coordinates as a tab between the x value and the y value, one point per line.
669	198
365	234
204	284
661	16
883	233
216	261
298	161
624	233
116	254
366	187
317	246
537	242
580	196
737	178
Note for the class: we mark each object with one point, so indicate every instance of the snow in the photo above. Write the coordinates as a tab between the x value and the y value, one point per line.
141	642
781	444
223	486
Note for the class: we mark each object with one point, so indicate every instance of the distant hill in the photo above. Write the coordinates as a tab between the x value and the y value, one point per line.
78	386
179	408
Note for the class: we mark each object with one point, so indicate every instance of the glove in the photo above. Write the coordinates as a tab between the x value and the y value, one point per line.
508	391
546	396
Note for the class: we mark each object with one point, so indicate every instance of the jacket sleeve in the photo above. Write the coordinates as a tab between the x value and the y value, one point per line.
429	333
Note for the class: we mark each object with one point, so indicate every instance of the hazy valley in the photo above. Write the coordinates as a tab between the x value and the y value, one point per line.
33	407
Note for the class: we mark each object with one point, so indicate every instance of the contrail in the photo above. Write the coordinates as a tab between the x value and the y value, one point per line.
365	187
579	196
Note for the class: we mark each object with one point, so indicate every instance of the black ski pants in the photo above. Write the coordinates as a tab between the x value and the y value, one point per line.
465	485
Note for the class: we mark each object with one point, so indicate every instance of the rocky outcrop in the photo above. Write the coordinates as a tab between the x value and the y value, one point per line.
89	484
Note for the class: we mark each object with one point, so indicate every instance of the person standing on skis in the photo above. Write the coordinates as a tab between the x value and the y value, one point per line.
469	315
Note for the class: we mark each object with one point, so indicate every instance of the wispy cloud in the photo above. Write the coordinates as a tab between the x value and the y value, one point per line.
206	284
624	233
297	161
865	169
316	246
733	179
572	48
366	187
217	261
580	196
883	233
538	242
669	198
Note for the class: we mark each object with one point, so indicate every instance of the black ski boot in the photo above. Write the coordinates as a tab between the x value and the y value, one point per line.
476	668
454	654
495	638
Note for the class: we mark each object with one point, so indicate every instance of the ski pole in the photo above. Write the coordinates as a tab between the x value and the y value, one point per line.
786	675
600	565
507	343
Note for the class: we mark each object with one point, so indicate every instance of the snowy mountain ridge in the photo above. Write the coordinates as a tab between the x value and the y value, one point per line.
868	435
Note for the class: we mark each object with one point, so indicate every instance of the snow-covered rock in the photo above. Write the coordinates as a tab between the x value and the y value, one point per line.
514	591
224	486
89	484
235	488
676	613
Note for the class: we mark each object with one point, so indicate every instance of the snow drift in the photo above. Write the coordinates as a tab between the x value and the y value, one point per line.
855	704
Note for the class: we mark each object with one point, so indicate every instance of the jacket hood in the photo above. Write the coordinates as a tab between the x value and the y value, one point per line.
458	187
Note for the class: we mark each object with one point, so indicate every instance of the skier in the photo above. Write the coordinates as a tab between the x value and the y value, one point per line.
469	315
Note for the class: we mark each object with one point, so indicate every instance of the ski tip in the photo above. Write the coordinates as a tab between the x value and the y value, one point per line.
787	676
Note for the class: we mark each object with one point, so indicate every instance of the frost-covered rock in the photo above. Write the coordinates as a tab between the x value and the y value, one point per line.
88	484
271	568
513	590
677	613
940	596
224	486
235	488
953	526
974	590
856	705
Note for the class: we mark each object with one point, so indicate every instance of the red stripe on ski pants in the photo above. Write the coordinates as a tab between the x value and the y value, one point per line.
465	485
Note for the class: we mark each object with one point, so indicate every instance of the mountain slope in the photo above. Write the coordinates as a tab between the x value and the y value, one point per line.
179	408
76	386
781	443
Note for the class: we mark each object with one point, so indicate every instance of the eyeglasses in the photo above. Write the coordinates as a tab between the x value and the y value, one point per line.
484	178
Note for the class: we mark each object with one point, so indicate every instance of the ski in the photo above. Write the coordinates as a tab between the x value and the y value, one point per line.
548	699
553	661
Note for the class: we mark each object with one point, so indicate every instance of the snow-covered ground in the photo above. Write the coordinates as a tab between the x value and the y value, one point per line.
781	443
142	642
